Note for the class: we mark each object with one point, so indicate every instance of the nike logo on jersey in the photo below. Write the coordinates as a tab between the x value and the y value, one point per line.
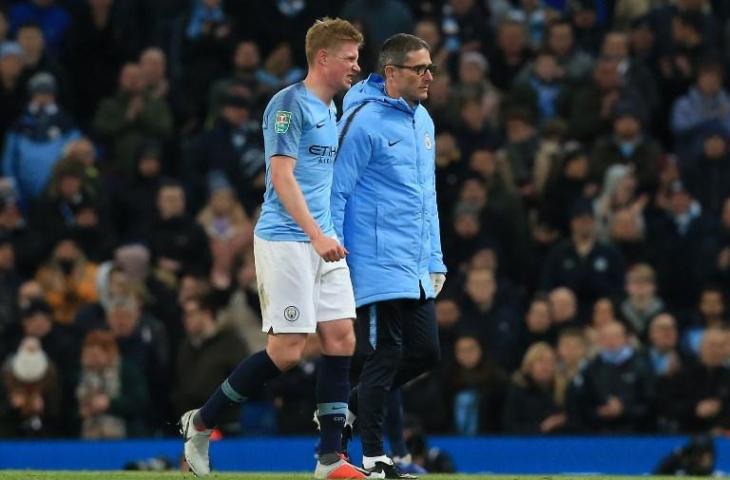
320	125
391	143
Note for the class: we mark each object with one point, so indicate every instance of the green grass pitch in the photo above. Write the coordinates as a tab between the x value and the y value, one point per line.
42	475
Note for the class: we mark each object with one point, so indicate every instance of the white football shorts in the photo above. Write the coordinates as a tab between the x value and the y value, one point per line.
298	289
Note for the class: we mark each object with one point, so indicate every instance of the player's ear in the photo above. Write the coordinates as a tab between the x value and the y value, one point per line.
322	56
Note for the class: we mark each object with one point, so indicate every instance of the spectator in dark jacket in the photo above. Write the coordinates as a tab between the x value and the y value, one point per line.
705	391
708	177
614	391
231	148
129	118
589	268
662	354
530	406
475	389
496	323
178	243
206	357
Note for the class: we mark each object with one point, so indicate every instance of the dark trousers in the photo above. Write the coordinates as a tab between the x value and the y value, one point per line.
397	340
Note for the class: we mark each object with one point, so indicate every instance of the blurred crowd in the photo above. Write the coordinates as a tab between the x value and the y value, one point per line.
583	174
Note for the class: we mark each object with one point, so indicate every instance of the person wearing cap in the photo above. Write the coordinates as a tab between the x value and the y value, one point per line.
590	268
233	148
36	141
127	119
11	86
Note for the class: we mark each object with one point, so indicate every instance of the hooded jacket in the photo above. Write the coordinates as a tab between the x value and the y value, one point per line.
384	195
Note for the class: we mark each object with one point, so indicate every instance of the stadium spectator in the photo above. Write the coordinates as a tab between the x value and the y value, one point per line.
705	106
35	142
495	322
228	228
587	266
708	175
641	304
36	59
704	397
572	353
509	54
31	404
68	280
129	118
711	312
177	242
613	392
243	310
207	355
539	322
475	389
153	64
530	405
560	40
111	391
53	19
663	355
143	342
11	85
232	148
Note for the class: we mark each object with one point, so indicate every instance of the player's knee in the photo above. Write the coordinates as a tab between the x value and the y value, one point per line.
341	344
286	360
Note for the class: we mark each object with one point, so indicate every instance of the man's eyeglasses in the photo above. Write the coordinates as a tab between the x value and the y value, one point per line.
419	69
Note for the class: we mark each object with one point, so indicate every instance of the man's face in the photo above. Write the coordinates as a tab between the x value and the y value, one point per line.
583	226
626	127
342	66
715	147
11	65
560	39
193	318
131	80
616	46
712	348
663	332
709	82
171	202
153	65
480	286
412	79
246	56
712	304
123	320
31	39
7	256
612	337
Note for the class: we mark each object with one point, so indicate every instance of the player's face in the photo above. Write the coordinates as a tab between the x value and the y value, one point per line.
343	66
415	79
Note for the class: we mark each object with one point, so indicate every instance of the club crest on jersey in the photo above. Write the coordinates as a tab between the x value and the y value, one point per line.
427	141
283	119
291	313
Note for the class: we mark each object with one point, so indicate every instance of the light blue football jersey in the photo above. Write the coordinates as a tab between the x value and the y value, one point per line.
298	124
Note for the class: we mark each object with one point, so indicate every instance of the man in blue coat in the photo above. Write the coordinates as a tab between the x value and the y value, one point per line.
384	210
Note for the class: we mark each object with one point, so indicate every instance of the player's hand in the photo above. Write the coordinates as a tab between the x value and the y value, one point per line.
437	280
328	248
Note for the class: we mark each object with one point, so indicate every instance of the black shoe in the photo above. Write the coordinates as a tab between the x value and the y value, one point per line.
387	470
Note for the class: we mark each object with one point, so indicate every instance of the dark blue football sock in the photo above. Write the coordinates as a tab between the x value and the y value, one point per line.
248	378
333	387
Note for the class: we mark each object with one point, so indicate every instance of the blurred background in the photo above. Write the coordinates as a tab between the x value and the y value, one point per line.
583	174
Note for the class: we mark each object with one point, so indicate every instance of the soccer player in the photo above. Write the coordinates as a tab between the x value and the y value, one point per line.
303	279
384	209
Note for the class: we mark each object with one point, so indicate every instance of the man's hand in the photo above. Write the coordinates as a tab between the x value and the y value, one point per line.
328	248
708	408
611	409
437	280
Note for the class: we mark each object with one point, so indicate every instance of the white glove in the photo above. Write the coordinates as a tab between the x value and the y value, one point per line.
438	280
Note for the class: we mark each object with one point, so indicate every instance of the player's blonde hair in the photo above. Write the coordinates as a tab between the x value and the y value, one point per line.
328	33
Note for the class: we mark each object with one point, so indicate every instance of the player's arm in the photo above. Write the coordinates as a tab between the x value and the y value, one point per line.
290	195
353	155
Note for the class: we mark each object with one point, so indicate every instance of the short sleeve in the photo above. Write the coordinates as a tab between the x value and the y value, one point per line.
283	126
